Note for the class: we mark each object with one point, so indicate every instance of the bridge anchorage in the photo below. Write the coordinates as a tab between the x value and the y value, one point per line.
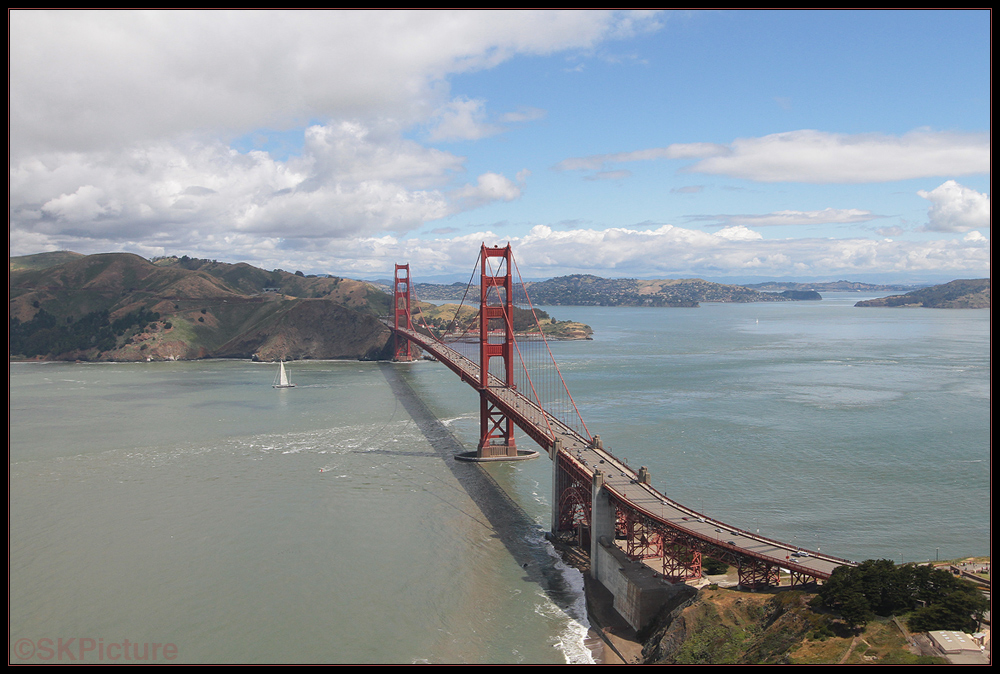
639	540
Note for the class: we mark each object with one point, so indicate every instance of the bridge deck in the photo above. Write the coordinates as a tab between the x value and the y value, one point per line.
621	481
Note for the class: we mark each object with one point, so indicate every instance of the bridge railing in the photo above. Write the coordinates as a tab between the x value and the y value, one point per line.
660	498
716	543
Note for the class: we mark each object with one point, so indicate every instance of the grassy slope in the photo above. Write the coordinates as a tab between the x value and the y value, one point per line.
733	627
42	260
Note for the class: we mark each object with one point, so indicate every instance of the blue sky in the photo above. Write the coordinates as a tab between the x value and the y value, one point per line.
720	144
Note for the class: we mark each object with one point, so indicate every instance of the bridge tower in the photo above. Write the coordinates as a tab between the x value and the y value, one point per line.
401	349
496	340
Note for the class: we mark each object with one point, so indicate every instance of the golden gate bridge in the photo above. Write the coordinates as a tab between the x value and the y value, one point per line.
599	502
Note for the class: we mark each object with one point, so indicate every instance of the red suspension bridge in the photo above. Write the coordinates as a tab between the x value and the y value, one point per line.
502	353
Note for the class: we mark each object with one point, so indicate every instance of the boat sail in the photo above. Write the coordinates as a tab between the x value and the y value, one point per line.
281	379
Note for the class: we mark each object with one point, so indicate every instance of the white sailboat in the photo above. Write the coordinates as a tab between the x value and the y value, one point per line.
281	379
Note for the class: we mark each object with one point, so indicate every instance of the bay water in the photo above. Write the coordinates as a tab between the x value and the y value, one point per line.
190	504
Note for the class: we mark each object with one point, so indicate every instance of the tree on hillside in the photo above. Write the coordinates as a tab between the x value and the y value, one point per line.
879	587
855	610
963	608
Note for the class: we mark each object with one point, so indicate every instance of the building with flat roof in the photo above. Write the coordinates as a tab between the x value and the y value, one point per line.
958	647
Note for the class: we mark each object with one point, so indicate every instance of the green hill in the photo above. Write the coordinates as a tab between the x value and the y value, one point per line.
122	307
959	294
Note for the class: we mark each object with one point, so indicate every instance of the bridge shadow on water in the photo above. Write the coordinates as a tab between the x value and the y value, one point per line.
523	537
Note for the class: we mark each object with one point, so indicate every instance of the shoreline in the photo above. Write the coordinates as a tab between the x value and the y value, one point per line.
618	640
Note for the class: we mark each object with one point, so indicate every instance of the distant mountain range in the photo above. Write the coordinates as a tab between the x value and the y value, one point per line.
589	290
959	294
828	286
122	307
585	289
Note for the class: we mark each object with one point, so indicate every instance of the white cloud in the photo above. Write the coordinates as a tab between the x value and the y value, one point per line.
355	152
81	80
823	217
462	119
676	151
352	180
524	114
85	204
489	187
956	208
465	119
609	175
738	233
634	23
820	157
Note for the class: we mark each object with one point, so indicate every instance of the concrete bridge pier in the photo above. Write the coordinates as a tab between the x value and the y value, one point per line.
602	522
